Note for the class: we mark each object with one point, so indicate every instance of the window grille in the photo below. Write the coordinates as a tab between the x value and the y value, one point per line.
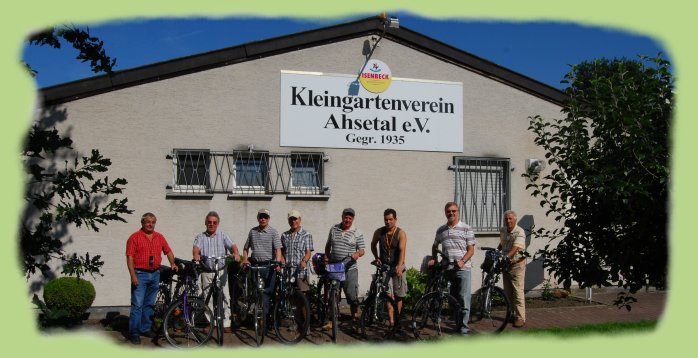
250	173
482	191
191	171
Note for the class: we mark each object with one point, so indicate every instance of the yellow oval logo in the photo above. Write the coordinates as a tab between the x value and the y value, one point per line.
376	76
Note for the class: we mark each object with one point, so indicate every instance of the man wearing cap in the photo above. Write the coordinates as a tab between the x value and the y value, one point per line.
214	243
345	243
143	257
265	243
297	248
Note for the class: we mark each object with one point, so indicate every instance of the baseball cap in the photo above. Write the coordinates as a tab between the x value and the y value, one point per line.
348	211
294	214
263	211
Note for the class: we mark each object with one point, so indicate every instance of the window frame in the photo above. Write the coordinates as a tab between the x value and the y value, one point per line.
485	218
190	188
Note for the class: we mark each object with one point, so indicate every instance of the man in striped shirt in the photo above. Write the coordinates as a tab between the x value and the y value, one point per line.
457	241
143	257
265	243
345	243
210	244
297	248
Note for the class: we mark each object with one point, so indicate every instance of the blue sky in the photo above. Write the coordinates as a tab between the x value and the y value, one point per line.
540	50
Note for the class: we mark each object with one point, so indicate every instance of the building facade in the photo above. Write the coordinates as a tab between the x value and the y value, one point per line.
238	129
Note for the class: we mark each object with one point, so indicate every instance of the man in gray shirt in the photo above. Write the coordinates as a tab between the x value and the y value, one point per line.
265	243
214	243
345	243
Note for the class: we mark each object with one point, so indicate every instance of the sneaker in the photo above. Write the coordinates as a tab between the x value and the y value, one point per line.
519	323
327	326
135	340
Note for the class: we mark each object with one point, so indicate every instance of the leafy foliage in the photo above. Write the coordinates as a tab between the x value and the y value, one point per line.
89	48
608	184
65	188
69	195
416	287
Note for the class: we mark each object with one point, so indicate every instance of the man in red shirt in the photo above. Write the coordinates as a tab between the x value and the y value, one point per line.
144	250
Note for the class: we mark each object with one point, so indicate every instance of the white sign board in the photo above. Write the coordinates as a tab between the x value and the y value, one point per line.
319	110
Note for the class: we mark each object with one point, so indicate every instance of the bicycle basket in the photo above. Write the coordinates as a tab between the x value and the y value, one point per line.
166	274
318	264
490	259
424	267
336	271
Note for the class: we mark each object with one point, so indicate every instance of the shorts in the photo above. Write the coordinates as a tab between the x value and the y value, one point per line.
397	285
351	286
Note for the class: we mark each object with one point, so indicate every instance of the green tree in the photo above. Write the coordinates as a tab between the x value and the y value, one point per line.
65	188
608	179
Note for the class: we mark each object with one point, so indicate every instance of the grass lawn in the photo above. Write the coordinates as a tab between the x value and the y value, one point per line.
601	328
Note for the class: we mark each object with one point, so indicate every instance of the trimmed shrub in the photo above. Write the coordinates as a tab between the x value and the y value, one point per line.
71	294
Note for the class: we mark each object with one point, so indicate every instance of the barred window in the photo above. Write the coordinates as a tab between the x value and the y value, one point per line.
306	173
191	170
250	173
242	174
482	191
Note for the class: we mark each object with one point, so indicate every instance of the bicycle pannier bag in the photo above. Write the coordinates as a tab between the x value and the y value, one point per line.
336	271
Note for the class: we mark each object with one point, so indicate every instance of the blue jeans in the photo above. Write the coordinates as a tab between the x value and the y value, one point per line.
142	301
460	289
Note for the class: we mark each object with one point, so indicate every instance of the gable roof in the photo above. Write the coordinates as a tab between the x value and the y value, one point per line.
254	50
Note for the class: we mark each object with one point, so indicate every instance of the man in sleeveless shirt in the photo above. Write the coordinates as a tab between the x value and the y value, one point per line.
392	241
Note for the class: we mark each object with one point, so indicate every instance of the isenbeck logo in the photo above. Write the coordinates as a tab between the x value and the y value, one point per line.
376	76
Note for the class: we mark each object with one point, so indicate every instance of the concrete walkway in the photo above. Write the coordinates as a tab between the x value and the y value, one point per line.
649	306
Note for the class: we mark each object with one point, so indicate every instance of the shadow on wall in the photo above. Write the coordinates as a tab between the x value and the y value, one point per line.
534	268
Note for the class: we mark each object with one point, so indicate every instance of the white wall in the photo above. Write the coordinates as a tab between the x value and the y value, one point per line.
230	107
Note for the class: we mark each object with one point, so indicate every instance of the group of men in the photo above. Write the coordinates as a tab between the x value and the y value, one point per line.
345	243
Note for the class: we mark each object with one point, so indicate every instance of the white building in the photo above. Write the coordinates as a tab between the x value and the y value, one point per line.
281	124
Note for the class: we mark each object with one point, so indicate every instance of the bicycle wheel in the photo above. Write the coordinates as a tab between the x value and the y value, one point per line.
259	320
435	315
490	311
188	326
220	313
241	306
291	317
334	313
162	302
375	321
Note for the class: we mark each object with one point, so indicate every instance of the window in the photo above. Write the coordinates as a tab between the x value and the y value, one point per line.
191	171
482	191
306	173
250	173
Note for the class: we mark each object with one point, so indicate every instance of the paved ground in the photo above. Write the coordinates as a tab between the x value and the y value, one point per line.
650	306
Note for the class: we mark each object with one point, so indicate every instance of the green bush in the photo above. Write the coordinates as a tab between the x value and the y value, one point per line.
71	294
416	284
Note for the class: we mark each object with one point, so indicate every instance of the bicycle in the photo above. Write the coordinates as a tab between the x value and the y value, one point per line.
214	291
188	321
240	307
437	313
375	320
256	303
291	309
490	308
328	295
